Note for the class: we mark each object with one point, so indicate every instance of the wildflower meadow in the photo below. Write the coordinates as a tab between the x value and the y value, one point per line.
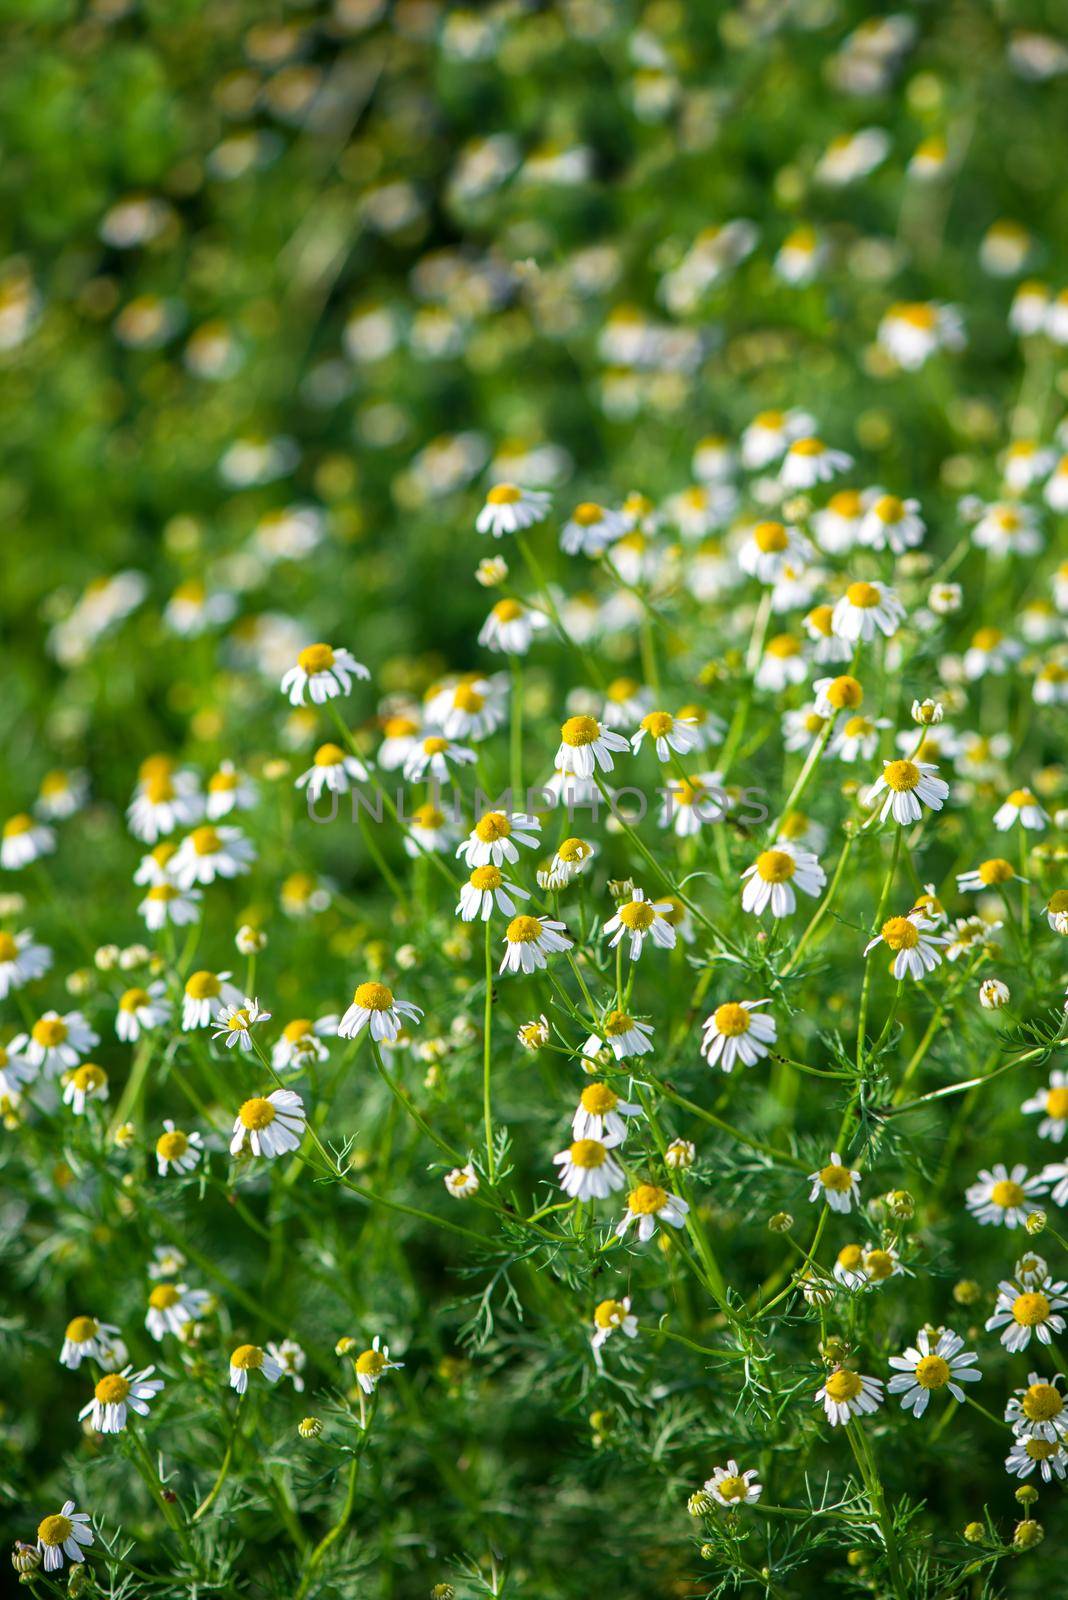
533	904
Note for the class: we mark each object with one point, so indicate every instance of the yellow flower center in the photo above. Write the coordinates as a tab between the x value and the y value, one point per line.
617	1023
435	745
427	816
485	878
770	421
857	727
609	1314
81	1330
316	658
843	1385
845	693
588	514
247	1357
900	934
373	997
814	723
163	1297
1057	1104
8	947
171	1146
621	689
733	1488
329	755
398	727
932	1372
987	638
1020	798
1041	1449
222	782
578	731
54	1530
257	1113
162	891
888	508
588	1153
862	595
1029	1310
17	825
507	610
807	447
902	776
523	930
493	826
49	1032
1058	902
134	999
299	1028
658	723
840	1179
468	699
206	841
879	1264
89	1077
770	537
783	646
598	1099
775	866
112	1390
1042	1402
203	986
996	871
1007	1194
371	1363
731	1019
850	1257
504	494
846	503
637	915
918	315
647	1199
573	850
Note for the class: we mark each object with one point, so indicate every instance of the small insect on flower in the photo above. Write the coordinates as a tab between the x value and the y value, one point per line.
865	610
86	1339
1053	1102
585	745
233	1024
528	941
600	1115
588	1171
209	853
374	1007
289	1356
1027	1454
21	961
495	838
1022	807
332	769
938	1360
835	1184
250	1358
1037	1412
272	1125
85	1083
141	1010
847	1394
116	1394
321	673
1001	1198
621	1033
648	1204
172	1308
24	841
640	919
1019	1312
731	1487
914	943
176	1149
611	1316
735	1032
462	1182
909	786
63	1534
774	876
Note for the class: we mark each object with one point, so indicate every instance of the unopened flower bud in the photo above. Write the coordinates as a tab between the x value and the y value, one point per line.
1027	1494
834	1350
967	1292
135	955
1026	1535
443	1591
993	994
1035	1222
699	1504
901	1204
680	1154
106	958
249	940
781	1222
310	1427
975	1533
25	1557
344	1346
491	572
925	713
124	1135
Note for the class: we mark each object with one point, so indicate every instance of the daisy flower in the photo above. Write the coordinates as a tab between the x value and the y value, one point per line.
819	625
991	874
836	527
781	664
705	727
495	837
23	841
600	1113
858	738
891	524
85	1083
1037	1412
374	1007
967	934
1056	909
590	530
291	1359
667	733
172	1307
625	702
1008	528
116	1394
485	889
61	794
570	859
621	1033
1002	1198
1048	1455
611	1315
228	790
1056	1173
86	1339
1020	1311
691	804
1053	1103
510	628
400	736
990	652
163	800
332	769
809	461
429	832
735	1032
471	708
301	1041
233	1023
55	1043
585	745
1022	807
433	755
915	951
321	673
836	1185
909	786
769	548
769	433
21	961
272	1126
177	1149
588	1170
371	1365
648	1204
639	919
462	1182
205	992
911	332
774	876
65	1533
731	1487
848	1394
928	1365
848	1269
141	1010
209	853
250	1358
510	509
865	610
528	940
166	904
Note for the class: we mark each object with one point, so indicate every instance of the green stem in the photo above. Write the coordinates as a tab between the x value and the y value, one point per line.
487	1055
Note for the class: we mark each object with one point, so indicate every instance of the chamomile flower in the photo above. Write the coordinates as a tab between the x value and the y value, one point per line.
1020	1312
737	1032
909	786
85	1083
1038	1412
611	1316
166	905
776	874
321	673
495	838
1056	1174
23	841
848	1269
570	859
486	889
731	1487
233	1023
375	1008
769	548
585	745
689	804
639	919
228	790
430	832
55	1043
462	1182
818	624
141	1010
990	652
623	1035
332	769
301	1041
966	935
590	529
155	866
1027	1453
809	461
768	435
890	523
932	1363
164	799
118	1393
472	707
372	1365
1056	909
990	874
588	1170
865	610
847	1394
1002	1198
600	1115
1021	807
62	794
510	509
857	738
913	942
529	940
667	734
648	1204
172	1308
781	664
911	332
400	735
837	526
209	853
510	628
251	1358
432	756
21	961
271	1125
289	1356
836	1185
86	1339
1008	527
1053	1103
65	1533
177	1150
202	996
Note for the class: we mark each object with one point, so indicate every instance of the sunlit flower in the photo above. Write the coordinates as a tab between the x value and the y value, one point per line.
809	461
301	1042
228	790
667	734
372	1365
65	1533
639	919
1027	1453
621	1033
510	628
1002	1197
271	1125
23	841
495	838
1038	1412
487	889
233	1023
55	1043
847	1394
600	1115
934	1363
116	1394
21	961
432	756
334	770
172	1307
202	996
909	786
648	1204
590	530
913	331
1022	807
510	509
731	1487
321	673
177	1149
865	610
289	1356
86	1339
85	1083
588	1170
1020	1312
776	874
165	904
141	1010
209	853
374	1008
913	942
769	548
529	940
585	745
835	1184
462	1182
611	1316
737	1031
250	1358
